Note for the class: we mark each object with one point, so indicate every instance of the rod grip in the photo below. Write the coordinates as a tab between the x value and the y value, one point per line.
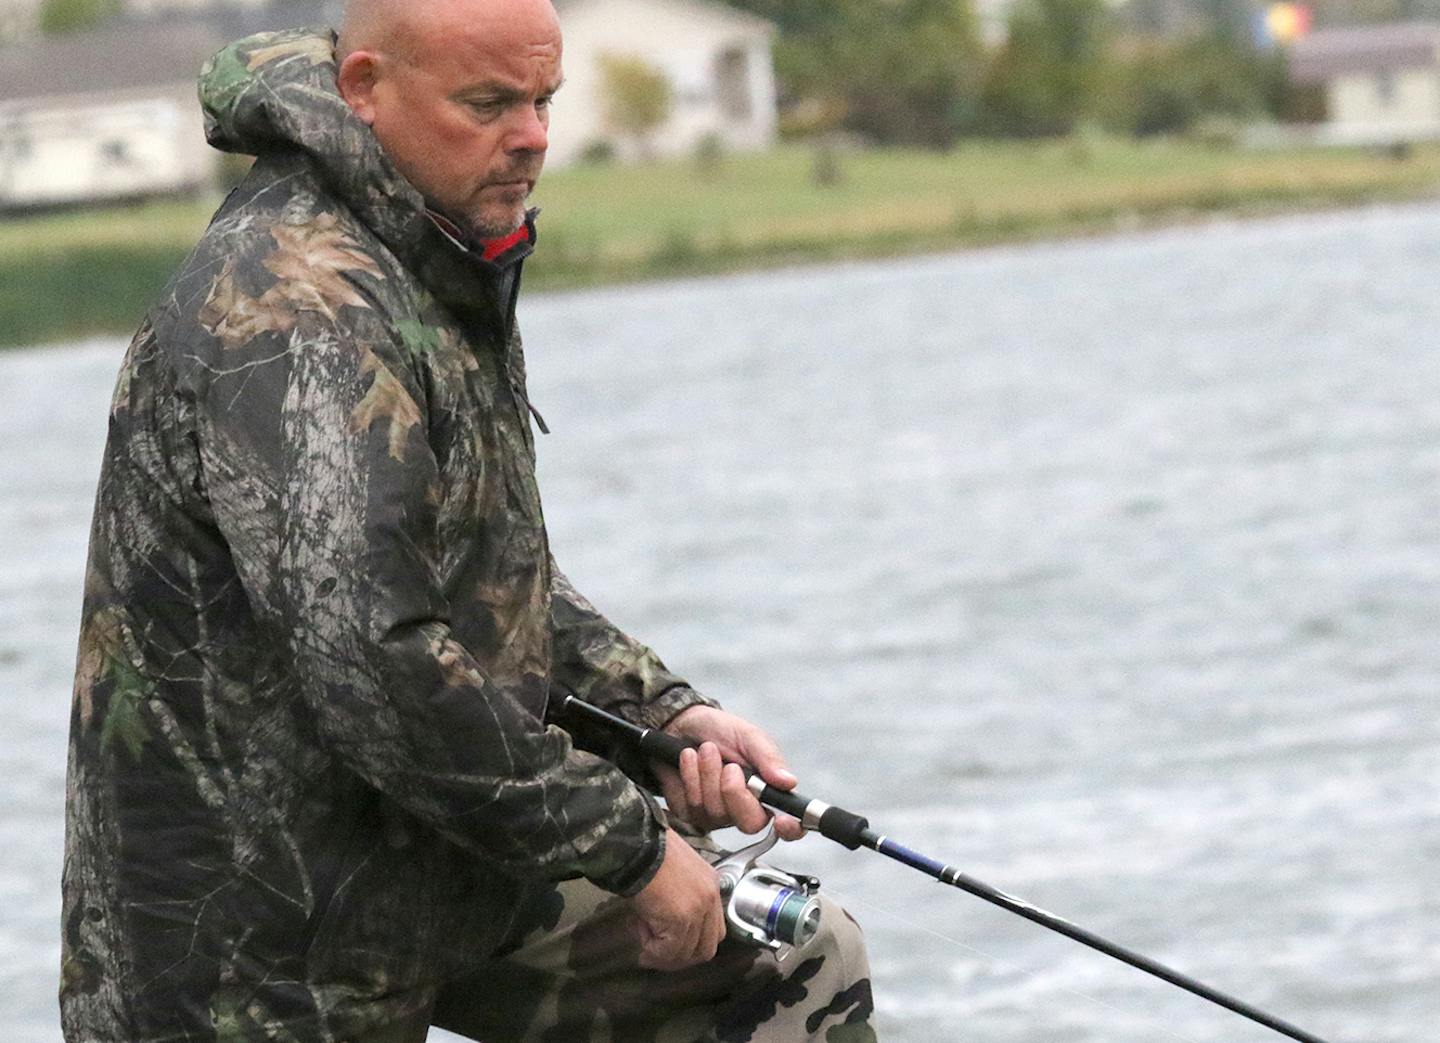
663	747
837	824
843	827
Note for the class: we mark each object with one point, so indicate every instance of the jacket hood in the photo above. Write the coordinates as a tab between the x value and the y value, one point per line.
275	93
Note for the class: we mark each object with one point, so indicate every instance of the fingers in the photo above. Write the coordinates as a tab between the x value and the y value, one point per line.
690	776
672	788
740	804
789	827
760	750
711	770
679	946
715	793
737	739
680	921
701	786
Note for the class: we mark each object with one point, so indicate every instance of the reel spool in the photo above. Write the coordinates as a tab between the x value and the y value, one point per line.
764	906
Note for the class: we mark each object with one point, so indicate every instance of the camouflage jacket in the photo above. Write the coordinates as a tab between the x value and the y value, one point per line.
309	775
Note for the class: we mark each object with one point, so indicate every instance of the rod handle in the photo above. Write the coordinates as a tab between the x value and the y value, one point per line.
837	824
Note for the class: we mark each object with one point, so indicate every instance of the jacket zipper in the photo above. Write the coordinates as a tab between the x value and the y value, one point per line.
517	392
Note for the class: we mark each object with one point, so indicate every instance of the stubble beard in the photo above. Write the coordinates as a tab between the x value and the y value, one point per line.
494	220
486	224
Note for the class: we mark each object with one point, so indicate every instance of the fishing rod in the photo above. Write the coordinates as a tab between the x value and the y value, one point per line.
853	831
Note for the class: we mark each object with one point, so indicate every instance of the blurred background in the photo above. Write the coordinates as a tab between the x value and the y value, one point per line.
707	136
1101	561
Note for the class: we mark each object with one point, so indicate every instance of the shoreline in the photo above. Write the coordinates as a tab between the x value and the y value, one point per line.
78	274
1101	226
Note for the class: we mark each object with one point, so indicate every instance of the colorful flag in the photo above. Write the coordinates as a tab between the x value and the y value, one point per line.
1288	22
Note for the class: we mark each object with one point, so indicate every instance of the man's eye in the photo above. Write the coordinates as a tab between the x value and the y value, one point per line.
486	109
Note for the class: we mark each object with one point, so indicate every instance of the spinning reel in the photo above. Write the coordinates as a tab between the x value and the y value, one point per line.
763	906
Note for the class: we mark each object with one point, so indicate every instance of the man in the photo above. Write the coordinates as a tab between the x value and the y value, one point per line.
313	795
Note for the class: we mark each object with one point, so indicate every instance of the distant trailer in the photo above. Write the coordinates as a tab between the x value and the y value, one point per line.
1380	86
1336	135
98	151
103	114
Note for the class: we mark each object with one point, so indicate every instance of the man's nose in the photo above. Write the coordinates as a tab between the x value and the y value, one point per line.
530	133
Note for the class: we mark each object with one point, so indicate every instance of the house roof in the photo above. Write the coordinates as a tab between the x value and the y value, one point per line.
233	21
1328	53
114	58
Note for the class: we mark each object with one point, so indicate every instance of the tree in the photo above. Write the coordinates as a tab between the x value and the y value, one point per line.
637	95
1232	21
1168	87
1050	73
795	16
897	71
68	16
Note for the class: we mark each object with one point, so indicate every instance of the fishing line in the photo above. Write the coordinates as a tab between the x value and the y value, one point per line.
851	899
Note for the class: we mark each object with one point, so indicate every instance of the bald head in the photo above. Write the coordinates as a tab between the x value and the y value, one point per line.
458	94
410	28
378	25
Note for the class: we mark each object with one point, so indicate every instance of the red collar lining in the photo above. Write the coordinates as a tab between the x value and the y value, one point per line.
492	249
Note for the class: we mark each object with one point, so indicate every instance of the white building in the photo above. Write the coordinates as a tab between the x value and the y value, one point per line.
992	18
107	114
18	19
1381	83
717	60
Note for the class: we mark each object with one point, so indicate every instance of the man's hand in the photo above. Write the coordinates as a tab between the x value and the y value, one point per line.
681	920
709	789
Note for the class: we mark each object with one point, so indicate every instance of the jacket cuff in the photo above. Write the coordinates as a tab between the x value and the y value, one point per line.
669	704
639	871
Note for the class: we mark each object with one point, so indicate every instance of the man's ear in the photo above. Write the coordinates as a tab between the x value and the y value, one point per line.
356	79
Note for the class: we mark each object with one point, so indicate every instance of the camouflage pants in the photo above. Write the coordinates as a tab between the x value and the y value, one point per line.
573	977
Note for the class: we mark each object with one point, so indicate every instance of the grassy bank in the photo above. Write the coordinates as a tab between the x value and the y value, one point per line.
66	275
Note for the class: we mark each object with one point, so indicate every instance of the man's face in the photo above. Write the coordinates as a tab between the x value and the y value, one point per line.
459	98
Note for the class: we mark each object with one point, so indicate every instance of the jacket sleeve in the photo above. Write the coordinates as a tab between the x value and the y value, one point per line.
603	665
323	483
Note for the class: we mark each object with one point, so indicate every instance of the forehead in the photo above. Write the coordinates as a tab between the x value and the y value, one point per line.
513	42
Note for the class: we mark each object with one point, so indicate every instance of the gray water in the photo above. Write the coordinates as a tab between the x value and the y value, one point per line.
1108	570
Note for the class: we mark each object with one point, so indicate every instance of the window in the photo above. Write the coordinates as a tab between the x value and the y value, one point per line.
732	76
1385	87
115	153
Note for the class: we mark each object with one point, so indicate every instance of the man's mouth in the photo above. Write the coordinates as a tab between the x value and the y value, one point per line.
513	183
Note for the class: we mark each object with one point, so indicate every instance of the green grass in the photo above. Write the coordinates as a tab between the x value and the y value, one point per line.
67	275
613	223
94	271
